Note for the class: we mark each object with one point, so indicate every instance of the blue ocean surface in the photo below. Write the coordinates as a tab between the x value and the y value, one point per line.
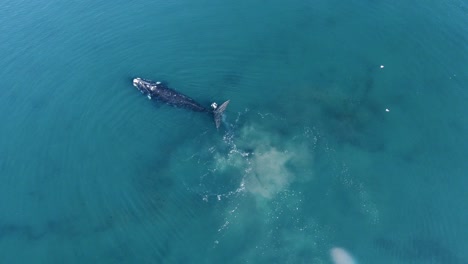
347	128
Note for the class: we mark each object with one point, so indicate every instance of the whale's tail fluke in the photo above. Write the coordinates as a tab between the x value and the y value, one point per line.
218	112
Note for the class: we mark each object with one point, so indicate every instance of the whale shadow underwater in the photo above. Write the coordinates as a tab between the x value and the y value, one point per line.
162	93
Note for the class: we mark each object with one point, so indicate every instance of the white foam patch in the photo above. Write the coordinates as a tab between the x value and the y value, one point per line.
367	206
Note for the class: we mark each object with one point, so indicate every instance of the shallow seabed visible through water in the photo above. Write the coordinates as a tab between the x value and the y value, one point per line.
346	129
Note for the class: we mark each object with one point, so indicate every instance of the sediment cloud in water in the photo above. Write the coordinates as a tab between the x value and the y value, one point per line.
269	174
268	167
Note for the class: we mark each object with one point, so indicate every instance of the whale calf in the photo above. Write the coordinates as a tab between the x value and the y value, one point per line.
160	92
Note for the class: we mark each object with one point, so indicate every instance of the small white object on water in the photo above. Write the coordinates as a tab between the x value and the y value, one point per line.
381	66
387	110
341	256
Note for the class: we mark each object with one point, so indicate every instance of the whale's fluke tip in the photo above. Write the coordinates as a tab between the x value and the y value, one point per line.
218	113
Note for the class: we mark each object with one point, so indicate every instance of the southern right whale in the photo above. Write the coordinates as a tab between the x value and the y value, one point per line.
164	94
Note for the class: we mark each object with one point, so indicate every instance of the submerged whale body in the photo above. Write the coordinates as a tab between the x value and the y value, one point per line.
164	94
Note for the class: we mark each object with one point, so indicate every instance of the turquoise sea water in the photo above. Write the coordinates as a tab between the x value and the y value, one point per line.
308	158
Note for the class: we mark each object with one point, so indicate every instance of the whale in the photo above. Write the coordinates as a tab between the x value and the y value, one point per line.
160	92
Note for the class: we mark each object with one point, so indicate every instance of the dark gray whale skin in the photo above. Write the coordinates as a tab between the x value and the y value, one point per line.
164	94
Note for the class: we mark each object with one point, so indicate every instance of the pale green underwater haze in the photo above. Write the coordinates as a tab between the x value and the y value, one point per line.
346	128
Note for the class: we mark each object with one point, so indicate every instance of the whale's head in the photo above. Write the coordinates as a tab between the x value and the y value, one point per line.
139	84
144	86
136	81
